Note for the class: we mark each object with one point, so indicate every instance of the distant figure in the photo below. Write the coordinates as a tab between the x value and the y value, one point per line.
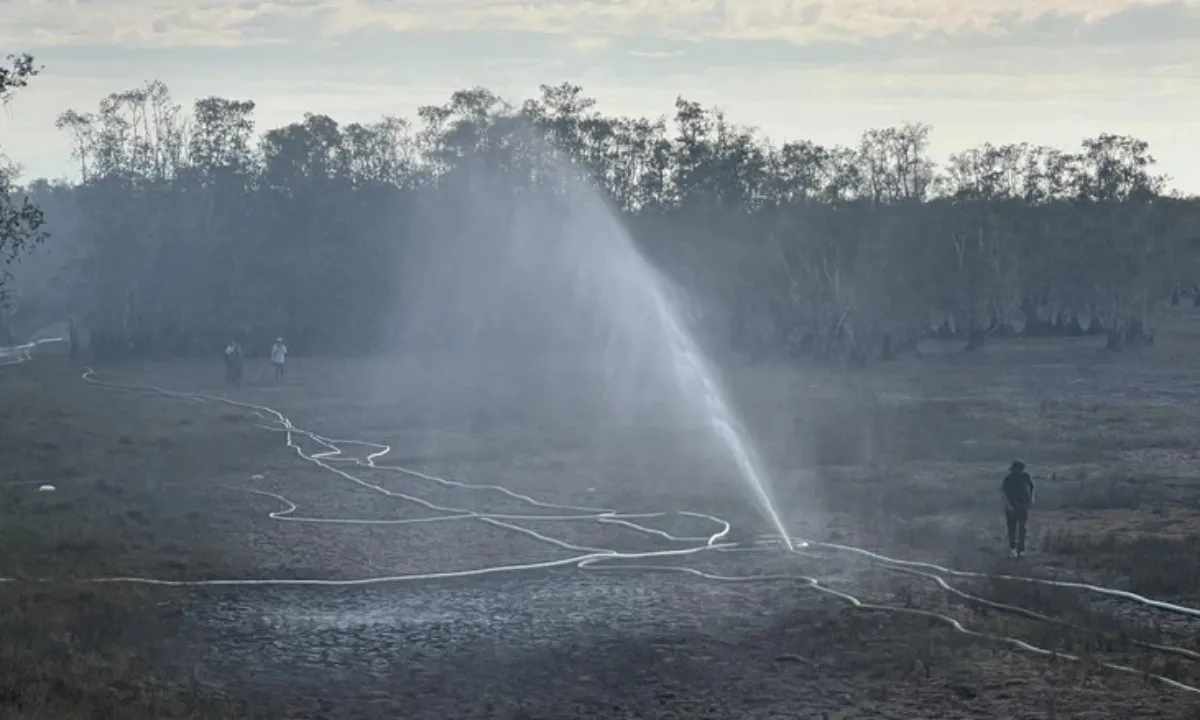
233	363
1017	490
278	355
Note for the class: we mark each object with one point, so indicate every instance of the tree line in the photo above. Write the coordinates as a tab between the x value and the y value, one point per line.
187	228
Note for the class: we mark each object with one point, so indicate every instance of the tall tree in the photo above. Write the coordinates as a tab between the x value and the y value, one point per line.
20	219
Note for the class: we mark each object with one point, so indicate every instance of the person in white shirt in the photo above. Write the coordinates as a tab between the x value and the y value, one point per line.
233	363
278	355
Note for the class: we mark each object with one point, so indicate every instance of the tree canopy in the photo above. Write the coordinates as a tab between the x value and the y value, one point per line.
20	219
186	227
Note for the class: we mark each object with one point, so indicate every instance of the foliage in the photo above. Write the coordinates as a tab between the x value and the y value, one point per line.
20	219
185	229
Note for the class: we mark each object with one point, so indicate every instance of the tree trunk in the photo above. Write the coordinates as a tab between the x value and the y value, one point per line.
976	335
1095	323
1003	330
1136	335
911	345
1033	322
856	357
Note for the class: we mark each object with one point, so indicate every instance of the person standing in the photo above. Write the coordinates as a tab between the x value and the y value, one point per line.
229	350
233	363
239	357
278	356
1018	491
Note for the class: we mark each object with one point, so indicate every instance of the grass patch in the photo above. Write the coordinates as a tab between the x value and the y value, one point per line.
135	479
914	476
73	653
1155	566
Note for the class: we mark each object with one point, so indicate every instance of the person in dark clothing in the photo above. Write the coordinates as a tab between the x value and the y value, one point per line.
1017	490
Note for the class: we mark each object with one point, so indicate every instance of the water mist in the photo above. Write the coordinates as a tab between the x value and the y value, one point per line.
510	269
635	304
697	381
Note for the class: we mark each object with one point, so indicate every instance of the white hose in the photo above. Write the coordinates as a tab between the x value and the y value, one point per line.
599	558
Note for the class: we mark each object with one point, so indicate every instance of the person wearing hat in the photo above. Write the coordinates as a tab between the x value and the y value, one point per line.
1017	490
278	355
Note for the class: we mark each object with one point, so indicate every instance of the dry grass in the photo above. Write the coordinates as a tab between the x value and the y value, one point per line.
138	479
134	496
907	459
69	653
1154	566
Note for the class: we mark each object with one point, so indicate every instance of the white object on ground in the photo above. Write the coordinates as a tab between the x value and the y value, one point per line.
715	542
46	488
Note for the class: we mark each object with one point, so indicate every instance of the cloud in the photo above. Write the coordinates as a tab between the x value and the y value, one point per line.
590	44
793	58
655	54
167	23
797	21
134	23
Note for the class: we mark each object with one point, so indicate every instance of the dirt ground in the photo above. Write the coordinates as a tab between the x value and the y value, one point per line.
904	460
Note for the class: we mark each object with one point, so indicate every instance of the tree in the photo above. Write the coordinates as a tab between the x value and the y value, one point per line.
20	219
187	228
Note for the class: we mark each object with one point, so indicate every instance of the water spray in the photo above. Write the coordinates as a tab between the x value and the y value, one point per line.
599	558
622	271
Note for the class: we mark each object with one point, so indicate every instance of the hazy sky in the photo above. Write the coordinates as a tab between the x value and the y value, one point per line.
1048	71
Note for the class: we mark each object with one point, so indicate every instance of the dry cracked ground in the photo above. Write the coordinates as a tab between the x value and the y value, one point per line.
904	460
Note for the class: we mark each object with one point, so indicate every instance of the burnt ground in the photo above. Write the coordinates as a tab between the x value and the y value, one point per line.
905	459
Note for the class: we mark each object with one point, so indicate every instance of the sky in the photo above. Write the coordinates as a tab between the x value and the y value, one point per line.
1044	71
